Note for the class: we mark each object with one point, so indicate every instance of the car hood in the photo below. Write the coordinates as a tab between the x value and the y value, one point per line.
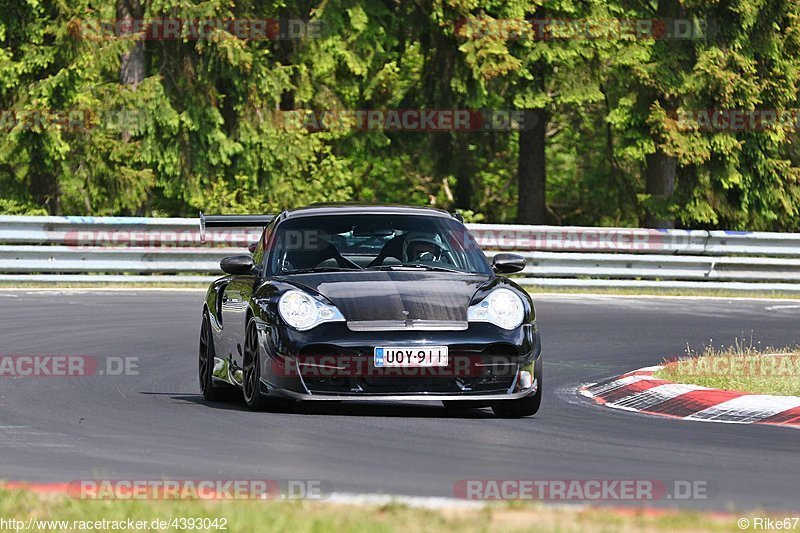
396	295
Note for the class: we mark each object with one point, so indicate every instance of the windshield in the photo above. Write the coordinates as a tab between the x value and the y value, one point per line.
374	242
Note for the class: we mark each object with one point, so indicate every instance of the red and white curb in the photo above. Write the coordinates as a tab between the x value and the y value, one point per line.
641	392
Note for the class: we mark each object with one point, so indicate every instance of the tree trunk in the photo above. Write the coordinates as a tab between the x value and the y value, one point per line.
532	206
131	68
131	71
43	185
661	171
464	171
450	149
662	168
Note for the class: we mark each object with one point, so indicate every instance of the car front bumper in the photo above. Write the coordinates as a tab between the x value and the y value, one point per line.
332	362
417	397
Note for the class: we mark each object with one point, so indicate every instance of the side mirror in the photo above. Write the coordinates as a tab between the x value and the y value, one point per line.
238	265
508	263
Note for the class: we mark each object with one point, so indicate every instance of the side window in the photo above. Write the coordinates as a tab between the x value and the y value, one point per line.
258	253
263	244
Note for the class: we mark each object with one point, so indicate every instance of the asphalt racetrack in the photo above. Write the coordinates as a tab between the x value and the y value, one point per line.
155	424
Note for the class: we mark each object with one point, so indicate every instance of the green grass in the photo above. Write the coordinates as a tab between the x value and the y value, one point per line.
533	290
320	517
635	291
98	286
745	368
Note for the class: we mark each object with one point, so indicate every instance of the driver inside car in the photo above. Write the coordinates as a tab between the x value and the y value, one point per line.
422	247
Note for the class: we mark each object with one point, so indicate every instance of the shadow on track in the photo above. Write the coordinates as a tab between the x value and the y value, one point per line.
352	408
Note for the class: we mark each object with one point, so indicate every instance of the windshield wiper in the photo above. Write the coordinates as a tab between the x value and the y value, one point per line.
319	269
415	266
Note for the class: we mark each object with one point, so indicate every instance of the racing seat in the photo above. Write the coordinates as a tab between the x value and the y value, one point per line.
304	259
393	248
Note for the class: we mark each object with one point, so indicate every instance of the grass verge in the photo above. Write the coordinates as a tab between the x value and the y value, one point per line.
533	290
739	368
634	291
320	517
99	286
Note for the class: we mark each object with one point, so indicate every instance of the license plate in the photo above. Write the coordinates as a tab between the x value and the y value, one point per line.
411	357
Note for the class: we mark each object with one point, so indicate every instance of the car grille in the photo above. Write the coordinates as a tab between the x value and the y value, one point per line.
333	370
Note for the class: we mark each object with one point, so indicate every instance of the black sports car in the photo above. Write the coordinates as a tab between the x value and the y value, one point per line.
365	302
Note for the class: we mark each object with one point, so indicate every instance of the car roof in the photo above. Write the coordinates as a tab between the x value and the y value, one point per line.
364	209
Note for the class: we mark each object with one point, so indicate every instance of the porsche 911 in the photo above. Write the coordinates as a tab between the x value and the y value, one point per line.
369	303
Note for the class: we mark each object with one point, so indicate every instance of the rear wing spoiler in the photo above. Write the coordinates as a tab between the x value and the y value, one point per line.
232	221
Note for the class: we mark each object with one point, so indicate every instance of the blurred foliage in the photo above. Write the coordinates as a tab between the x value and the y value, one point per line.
204	128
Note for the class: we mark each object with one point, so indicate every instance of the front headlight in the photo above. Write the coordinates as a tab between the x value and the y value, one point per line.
501	307
303	312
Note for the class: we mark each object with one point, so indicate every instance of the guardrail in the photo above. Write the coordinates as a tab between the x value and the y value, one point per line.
168	250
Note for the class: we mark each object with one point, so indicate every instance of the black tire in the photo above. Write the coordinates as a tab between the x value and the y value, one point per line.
211	392
251	385
527	406
457	405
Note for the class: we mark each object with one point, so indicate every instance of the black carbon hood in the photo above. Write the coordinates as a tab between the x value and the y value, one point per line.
396	295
